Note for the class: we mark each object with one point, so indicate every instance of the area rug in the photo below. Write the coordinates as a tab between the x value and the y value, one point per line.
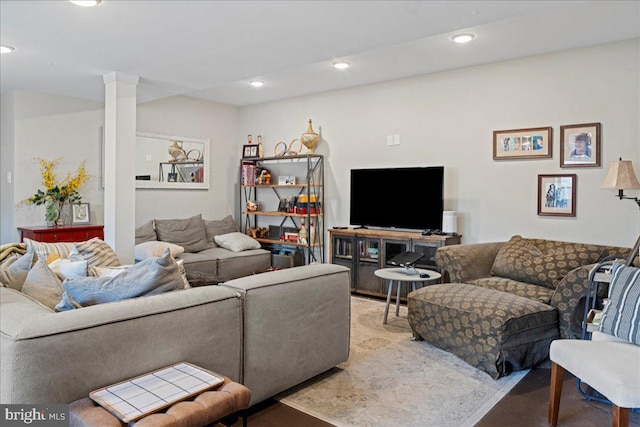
392	380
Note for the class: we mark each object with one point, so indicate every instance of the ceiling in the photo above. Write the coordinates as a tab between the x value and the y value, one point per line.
211	49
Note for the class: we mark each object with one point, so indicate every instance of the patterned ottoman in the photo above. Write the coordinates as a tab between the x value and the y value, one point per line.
494	331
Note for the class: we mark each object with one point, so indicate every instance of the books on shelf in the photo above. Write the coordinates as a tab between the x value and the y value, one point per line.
248	174
343	247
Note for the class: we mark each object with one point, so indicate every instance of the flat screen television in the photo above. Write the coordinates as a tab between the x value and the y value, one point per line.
408	198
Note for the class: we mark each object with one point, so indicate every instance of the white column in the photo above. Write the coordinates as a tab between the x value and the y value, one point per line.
119	170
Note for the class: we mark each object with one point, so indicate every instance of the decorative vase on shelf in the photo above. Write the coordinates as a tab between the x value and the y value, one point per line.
310	139
176	152
60	220
260	149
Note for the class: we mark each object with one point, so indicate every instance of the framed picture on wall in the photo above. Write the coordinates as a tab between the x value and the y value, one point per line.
534	143
557	195
80	214
580	145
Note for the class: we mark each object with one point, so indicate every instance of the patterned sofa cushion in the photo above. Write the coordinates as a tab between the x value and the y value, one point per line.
542	262
526	290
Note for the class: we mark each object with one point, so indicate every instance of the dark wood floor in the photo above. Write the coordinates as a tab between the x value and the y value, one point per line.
526	405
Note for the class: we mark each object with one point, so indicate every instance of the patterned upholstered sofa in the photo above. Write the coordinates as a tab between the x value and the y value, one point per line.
506	301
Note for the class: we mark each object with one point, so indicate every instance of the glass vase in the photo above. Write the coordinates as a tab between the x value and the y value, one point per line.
51	214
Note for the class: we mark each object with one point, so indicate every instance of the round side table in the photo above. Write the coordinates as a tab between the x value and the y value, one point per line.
399	275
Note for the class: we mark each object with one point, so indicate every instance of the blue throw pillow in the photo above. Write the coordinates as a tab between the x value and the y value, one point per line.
149	277
621	317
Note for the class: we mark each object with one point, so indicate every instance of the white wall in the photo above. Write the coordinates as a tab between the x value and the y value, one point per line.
48	126
448	118
183	116
443	119
7	137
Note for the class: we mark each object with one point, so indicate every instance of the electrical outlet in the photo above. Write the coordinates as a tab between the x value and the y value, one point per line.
396	139
148	157
389	139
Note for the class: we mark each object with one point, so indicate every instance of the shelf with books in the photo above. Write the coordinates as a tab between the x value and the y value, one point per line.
273	213
287	242
279	191
281	185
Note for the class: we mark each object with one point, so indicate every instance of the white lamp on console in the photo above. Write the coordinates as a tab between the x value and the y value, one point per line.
449	222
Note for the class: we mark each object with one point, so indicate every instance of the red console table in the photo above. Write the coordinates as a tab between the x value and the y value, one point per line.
63	233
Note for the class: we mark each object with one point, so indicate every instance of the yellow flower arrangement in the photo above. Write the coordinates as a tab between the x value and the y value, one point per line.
55	195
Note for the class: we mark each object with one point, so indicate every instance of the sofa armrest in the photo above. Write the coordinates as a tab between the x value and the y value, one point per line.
566	298
296	325
462	263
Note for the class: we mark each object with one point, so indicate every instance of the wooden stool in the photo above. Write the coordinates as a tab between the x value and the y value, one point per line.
202	410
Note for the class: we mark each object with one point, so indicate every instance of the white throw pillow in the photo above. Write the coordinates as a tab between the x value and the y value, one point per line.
156	248
108	271
236	242
67	269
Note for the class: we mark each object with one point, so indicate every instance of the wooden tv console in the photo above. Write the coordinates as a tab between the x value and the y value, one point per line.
366	250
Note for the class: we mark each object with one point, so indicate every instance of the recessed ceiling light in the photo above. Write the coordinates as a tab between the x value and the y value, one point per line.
86	3
463	38
256	83
6	49
341	65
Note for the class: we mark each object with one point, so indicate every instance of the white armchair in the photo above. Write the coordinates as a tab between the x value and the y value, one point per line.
610	361
608	364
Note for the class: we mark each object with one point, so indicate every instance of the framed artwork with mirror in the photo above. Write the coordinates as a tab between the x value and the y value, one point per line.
171	161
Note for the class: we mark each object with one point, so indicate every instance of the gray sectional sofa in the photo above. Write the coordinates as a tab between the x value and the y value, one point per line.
269	331
202	255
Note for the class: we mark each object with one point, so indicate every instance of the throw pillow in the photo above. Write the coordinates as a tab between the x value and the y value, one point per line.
43	285
156	249
149	277
43	249
188	233
97	253
621	317
237	242
66	269
217	227
14	275
541	262
107	271
146	233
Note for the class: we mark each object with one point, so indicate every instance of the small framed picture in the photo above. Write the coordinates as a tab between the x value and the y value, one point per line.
557	195
534	143
286	180
80	214
580	145
249	150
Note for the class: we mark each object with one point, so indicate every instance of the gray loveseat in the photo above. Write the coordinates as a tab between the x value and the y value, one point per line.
268	331
202	255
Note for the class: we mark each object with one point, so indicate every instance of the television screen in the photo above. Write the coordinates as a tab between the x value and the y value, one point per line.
409	198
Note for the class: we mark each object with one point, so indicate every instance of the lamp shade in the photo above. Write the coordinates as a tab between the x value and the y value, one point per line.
621	176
